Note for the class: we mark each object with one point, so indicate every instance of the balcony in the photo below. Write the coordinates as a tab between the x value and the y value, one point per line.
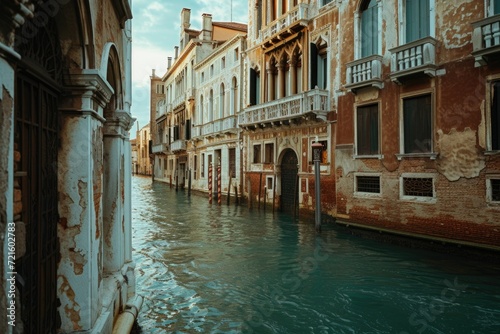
365	72
314	102
161	148
287	24
179	101
178	145
415	58
161	111
486	40
220	127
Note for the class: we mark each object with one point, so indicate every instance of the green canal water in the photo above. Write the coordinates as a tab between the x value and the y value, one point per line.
205	268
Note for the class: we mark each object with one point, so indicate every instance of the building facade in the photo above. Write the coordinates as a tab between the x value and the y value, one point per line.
144	157
288	105
195	105
65	210
417	148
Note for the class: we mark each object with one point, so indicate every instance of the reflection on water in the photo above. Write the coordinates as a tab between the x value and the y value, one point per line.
208	269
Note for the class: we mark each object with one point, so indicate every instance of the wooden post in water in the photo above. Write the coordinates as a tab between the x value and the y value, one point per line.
170	181
295	195
189	182
219	190
236	202
229	187
265	198
210	184
274	193
249	194
176	181
260	188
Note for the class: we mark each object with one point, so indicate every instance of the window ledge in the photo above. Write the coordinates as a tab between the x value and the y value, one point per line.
491	152
377	156
364	195
431	156
419	199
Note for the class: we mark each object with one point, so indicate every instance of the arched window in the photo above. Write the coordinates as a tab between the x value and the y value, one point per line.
222	100
202	110
211	106
234	96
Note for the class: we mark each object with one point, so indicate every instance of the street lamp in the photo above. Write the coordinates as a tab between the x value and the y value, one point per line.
317	148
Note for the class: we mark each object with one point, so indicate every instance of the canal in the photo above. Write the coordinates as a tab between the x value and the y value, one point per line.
225	269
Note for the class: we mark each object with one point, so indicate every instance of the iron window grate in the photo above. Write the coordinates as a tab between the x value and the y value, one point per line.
418	186
368	184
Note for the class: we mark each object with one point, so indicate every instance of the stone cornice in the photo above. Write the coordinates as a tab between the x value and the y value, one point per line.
91	80
118	124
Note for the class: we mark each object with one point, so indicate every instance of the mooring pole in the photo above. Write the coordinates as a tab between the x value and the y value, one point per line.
189	182
229	187
260	188
274	193
317	148
219	190
210	184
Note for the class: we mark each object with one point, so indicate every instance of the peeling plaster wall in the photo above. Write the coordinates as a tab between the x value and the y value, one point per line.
459	210
78	228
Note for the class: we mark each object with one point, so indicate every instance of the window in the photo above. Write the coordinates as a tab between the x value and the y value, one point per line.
417	124
324	151
367	130
319	66
493	189
254	87
256	154
418	186
269	183
202	167
495	116
417	19
325	2
211	106
232	162
202	76
223	63
211	70
496	7
236	54
269	153
369	28
368	184
195	167
160	89
222	100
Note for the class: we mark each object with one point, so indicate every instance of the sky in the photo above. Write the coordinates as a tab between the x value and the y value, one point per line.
155	33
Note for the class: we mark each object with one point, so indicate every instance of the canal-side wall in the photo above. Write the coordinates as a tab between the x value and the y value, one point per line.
460	163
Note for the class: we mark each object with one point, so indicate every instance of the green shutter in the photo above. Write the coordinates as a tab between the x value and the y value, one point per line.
369	30
367	130
417	122
496	7
417	19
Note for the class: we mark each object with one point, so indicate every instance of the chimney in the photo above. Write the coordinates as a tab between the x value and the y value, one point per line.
169	62
153	75
207	27
185	18
176	52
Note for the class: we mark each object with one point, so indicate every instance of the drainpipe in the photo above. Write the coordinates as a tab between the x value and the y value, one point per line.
126	319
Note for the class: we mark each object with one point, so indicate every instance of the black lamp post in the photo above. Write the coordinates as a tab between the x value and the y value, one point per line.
317	148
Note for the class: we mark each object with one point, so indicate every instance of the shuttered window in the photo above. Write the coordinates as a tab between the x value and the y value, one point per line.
417	119
369	29
367	125
417	19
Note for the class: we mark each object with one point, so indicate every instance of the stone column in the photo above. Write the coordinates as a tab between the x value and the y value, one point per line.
281	80
80	232
270	84
293	77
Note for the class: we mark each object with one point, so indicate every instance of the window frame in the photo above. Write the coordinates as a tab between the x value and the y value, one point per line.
414	198
257	158
432	154
489	188
363	194
272	155
402	20
358	31
378	155
490	82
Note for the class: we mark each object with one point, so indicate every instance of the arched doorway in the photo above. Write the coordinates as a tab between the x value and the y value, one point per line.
289	182
36	136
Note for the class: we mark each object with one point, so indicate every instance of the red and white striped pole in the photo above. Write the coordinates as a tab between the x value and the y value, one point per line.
210	184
